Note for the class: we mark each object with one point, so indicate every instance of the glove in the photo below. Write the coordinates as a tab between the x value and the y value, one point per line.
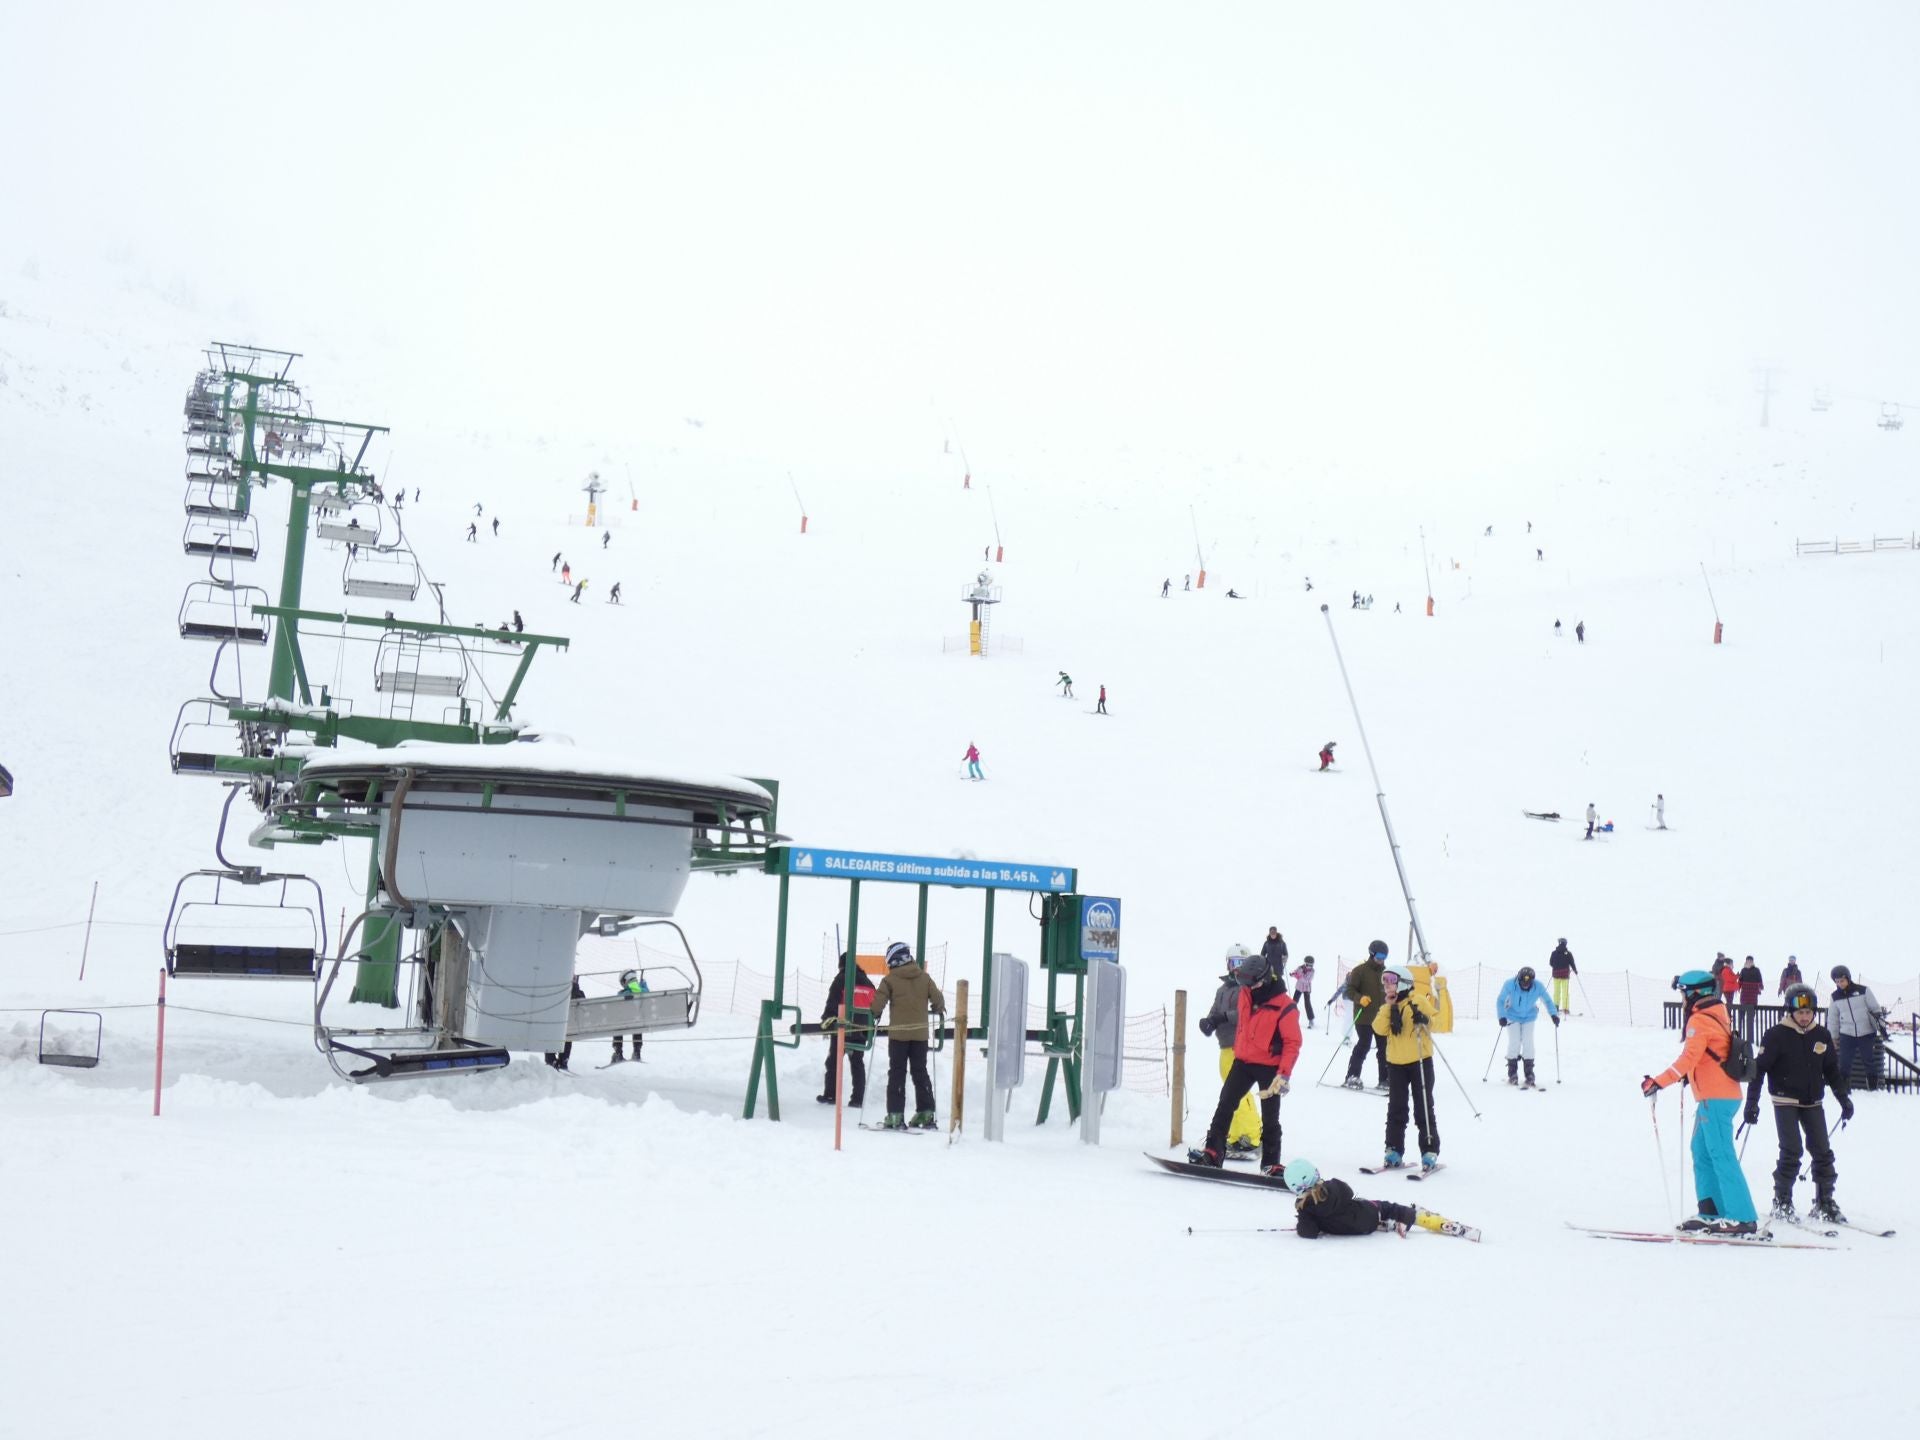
1503	1022
1394	1022
1648	1086
1206	1025
1752	1117
1364	1001
1556	1021
1846	1107
1279	1085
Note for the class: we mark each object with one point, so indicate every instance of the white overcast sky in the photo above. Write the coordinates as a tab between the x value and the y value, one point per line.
1151	222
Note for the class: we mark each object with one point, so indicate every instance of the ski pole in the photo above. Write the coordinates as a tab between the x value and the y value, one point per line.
1336	1053
1660	1152
1584	998
1490	1054
1556	1054
1450	1070
1742	1137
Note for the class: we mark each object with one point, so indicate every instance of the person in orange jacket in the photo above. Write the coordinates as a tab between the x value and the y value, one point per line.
1726	1205
1266	1043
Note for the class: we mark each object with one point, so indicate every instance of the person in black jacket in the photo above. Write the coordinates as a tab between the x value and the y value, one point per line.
1274	949
856	1034
1329	1207
1798	1063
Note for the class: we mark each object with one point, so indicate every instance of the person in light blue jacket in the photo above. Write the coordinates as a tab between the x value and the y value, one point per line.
1518	1007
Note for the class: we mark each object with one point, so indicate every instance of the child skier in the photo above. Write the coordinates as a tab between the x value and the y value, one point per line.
1326	756
1222	1022
1303	988
1798	1064
1726	1205
1329	1207
1402	1025
1518	1007
1560	965
1266	1043
912	994
863	993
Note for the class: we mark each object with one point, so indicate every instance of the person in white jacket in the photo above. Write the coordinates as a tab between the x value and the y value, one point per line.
1593	818
1859	1023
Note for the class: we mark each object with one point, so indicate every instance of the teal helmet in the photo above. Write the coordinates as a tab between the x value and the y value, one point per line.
1697	985
1300	1176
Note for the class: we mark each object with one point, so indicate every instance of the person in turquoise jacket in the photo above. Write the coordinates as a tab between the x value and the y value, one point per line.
1518	1007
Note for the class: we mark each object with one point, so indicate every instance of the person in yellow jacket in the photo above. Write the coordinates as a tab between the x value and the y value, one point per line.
1726	1205
1401	1024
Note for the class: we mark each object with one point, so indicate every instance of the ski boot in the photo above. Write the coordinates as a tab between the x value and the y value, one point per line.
895	1121
1242	1148
1352	1082
1825	1209
1210	1158
1440	1225
818	1099
1783	1210
1513	1072
1531	1084
1393	1161
1704	1220
857	1102
1429	1162
1735	1228
923	1120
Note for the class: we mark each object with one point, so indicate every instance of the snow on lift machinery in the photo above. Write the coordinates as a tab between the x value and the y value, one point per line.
411	664
232	536
218	610
1890	417
513	852
82	1057
239	922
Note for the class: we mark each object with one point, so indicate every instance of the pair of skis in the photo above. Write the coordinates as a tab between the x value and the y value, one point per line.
1420	1172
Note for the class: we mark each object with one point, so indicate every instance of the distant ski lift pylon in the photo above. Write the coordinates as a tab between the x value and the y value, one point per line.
212	611
245	925
382	574
1890	417
229	536
409	664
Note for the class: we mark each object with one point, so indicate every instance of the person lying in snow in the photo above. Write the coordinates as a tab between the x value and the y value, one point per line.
1329	1207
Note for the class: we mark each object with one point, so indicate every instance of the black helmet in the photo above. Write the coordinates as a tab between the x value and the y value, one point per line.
1526	975
1840	972
1253	971
1563	939
1800	998
1377	948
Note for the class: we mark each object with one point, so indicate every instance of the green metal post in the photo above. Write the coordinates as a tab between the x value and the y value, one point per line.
986	971
920	929
377	979
763	1033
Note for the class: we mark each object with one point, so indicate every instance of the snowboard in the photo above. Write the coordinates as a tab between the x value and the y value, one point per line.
1208	1172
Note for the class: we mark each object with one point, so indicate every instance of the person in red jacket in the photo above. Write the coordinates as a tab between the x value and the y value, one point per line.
1266	1043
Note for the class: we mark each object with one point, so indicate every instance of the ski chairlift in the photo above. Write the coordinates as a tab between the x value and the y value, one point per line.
287	936
355	522
377	574
671	1001
234	537
209	440
425	1051
204	733
84	1059
212	610
408	664
210	465
1890	417
218	496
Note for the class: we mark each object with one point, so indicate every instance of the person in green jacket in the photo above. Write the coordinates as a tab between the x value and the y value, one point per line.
1365	993
911	994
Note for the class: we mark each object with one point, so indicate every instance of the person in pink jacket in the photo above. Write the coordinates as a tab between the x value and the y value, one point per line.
1303	987
972	758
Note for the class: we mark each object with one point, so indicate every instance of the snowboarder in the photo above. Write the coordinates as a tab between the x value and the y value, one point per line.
1725	1203
496	527
632	983
912	994
613	595
1789	975
575	597
972	757
1266	1043
1065	682
1326	756
1222	1022
1660	812
606	538
1303	988
1329	1207
1593	816
1580	631
1401	1023
857	1032
519	625
1365	991
473	532
1518	1008
1560	965
1859	1025
479	509
1165	586
1101	707
556	561
416	494
1798	1065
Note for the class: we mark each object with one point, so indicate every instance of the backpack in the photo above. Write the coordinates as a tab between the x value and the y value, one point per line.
1739	1063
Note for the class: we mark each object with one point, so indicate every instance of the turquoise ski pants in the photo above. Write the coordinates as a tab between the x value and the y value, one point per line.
1716	1169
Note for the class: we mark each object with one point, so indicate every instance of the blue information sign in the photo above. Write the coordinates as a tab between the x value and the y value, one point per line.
928	870
1099	928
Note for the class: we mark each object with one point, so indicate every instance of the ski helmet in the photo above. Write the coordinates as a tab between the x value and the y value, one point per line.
898	954
1697	985
1252	971
1400	973
1236	954
1526	976
629	979
1800	998
1377	949
1563	939
1300	1176
1842	973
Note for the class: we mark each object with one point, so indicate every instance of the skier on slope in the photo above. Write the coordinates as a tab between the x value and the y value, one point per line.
1798	1065
1065	682
972	757
1365	992
1326	756
1266	1043
1303	988
1725	1203
1518	1008
1329	1207
1222	1022
1101	708
1402	1025
1660	812
912	994
1560	965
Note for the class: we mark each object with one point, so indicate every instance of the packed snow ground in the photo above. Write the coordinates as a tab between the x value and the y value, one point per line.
565	1253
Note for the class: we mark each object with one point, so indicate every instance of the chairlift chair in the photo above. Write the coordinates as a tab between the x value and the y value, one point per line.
357	524
277	937
382	575
213	611
78	1059
1890	417
215	464
219	496
192	750
408	664
234	537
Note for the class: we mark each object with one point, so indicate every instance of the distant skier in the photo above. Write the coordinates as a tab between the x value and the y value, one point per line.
1539	554
473	532
1402	1024
575	597
1518	1008
1309	584
1489	529
972	758
1356	601
1274	949
479	510
1593	817
1235	595
1165	587
1798	1066
1065	682
1329	1207
556	561
1556	629
496	527
519	625
566	572
1580	631
613	595
1326	756
1659	812
1100	708
912	994
606	538
1789	975
416	494
1725	1203
1189	584
1303	988
1560	965
1266	1043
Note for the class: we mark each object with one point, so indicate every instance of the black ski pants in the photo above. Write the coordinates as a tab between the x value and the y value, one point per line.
1304	998
857	1059
903	1055
1363	1036
1243	1076
1792	1121
1412	1086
